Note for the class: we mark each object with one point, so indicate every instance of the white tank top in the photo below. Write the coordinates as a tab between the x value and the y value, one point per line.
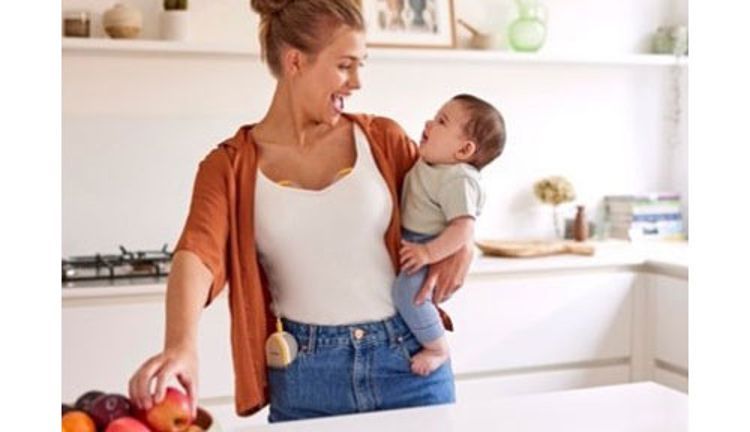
324	251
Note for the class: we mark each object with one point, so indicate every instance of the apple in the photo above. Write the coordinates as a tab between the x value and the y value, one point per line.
84	401
66	408
109	407
127	424
172	414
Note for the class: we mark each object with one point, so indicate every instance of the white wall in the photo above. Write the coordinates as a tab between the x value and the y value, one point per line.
135	126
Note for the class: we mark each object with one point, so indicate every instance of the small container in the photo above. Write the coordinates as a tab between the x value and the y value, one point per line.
175	25
77	24
580	225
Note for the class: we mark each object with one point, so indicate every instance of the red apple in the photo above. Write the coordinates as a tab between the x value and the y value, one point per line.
173	414
127	424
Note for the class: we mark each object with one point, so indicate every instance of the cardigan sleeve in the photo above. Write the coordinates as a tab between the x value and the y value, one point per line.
206	230
400	149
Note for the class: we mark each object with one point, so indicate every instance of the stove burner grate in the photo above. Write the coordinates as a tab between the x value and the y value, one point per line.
128	264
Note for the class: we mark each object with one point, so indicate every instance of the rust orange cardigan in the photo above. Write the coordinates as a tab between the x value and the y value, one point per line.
220	230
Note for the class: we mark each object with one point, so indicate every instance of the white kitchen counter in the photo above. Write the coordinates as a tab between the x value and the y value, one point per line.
636	407
670	258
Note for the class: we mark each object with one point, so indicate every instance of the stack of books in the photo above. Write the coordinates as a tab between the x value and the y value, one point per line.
645	217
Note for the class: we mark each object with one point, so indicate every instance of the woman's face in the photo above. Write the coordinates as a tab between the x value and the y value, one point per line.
328	79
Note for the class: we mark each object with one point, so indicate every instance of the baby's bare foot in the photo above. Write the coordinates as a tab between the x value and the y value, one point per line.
427	360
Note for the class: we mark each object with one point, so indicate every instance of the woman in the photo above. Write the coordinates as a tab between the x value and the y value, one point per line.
299	214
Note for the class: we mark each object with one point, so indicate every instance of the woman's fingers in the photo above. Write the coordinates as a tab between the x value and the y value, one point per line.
427	286
407	264
140	382
405	255
161	382
442	294
191	387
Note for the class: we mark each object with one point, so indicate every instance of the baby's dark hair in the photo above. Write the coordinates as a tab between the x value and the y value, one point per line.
485	127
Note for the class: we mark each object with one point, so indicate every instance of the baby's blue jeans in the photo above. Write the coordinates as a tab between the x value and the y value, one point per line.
423	320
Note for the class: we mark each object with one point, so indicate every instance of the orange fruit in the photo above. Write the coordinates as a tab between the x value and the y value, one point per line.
77	421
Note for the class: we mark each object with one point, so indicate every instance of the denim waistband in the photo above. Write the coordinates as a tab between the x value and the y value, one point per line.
392	330
416	237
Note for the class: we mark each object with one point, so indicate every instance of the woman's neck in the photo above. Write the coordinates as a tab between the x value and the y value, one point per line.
286	123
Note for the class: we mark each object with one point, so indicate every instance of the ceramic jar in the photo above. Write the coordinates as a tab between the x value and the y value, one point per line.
122	21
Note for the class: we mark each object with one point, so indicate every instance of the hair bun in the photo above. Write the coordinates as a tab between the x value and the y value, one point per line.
269	7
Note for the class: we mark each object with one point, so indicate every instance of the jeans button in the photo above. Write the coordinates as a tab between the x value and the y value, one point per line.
359	333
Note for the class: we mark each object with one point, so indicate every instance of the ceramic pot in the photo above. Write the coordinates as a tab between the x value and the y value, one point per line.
175	25
122	21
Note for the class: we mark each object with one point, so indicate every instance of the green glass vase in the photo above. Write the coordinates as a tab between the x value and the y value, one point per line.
529	31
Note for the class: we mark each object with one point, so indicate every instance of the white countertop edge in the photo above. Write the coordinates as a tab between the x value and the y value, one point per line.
638	406
666	259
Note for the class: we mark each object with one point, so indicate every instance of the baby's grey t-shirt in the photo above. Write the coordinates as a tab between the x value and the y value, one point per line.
433	195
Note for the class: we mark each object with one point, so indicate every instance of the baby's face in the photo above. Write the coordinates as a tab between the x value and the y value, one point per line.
443	136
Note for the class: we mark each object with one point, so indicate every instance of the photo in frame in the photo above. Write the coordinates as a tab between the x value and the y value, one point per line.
409	23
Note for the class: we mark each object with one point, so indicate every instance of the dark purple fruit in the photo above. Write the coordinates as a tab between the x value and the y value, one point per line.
109	407
66	408
83	403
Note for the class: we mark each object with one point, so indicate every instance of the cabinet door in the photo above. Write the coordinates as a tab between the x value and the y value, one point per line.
104	341
670	317
506	323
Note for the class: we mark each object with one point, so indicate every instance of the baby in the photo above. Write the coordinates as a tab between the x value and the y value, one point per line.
441	198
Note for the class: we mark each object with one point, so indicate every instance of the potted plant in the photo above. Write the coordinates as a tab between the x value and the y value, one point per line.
175	23
554	191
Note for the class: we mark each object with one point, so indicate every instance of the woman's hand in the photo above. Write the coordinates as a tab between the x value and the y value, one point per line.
181	363
446	277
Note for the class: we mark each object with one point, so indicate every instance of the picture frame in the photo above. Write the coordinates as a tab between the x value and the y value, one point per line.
409	23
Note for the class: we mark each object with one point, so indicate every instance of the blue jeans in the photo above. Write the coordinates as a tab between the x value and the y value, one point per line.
423	320
353	368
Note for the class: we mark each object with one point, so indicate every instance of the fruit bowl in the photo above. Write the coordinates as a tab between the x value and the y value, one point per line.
206	422
111	412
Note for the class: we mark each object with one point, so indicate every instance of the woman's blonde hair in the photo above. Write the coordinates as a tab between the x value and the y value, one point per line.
301	24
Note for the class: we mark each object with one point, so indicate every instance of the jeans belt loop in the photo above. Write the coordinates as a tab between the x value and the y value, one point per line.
311	339
390	331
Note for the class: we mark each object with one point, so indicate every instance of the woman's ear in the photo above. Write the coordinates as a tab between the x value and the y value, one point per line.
466	151
292	61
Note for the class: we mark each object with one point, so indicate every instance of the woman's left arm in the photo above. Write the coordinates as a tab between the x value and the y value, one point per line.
445	277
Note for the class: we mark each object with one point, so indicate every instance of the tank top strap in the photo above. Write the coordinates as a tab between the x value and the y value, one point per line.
364	153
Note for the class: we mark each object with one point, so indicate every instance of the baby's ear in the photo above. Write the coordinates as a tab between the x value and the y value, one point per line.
466	151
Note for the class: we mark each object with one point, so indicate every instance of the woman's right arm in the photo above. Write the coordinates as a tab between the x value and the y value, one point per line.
187	289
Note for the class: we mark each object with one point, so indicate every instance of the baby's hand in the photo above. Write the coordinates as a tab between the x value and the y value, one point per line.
414	256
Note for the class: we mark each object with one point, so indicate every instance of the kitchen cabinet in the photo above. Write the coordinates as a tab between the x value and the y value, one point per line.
668	305
105	339
514	323
522	326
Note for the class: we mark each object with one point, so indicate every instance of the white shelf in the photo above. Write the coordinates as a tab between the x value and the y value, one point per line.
120	46
478	56
146	46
